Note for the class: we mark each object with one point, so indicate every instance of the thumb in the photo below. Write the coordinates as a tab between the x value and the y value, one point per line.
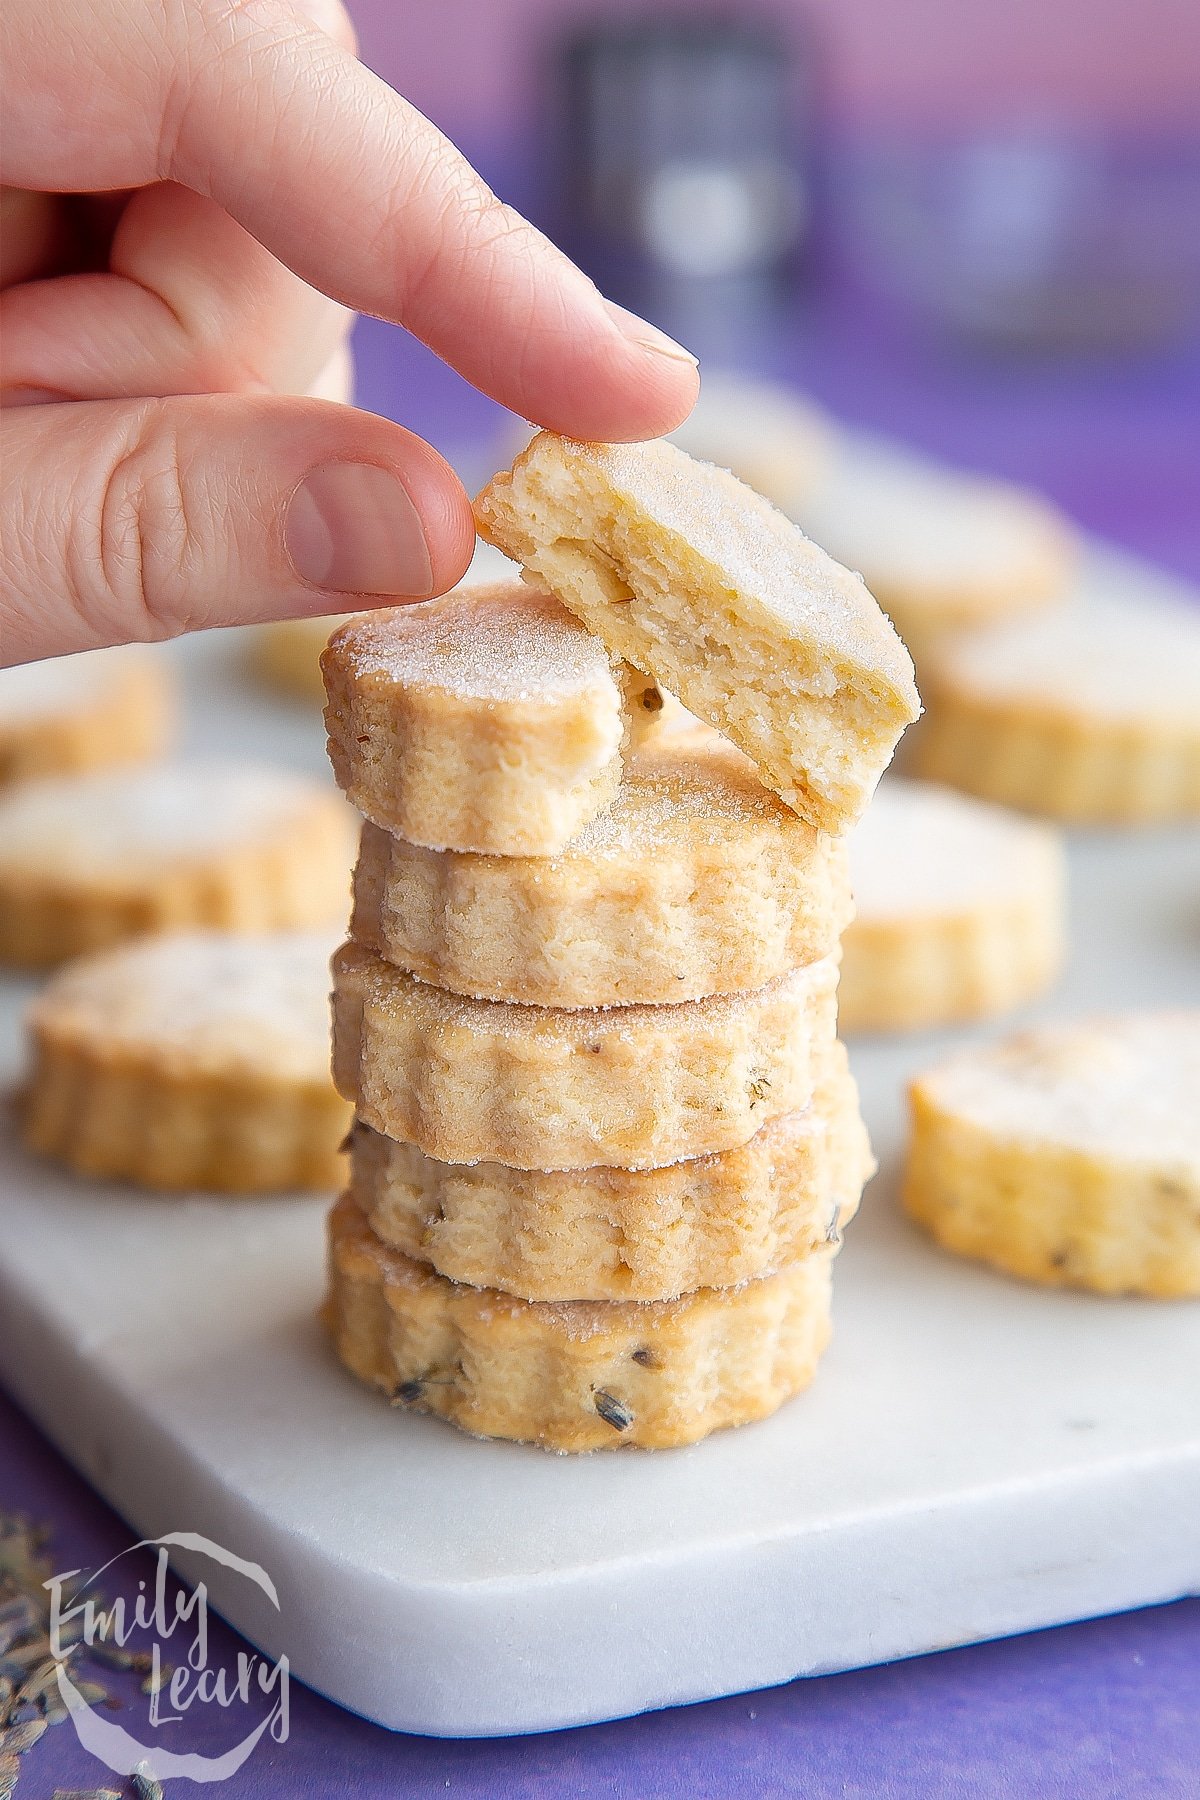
127	520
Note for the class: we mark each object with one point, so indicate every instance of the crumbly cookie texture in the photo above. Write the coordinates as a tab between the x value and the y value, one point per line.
626	1234
1089	713
938	548
573	1375
539	1087
196	1060
959	910
690	576
696	881
1068	1155
89	860
488	720
777	441
84	712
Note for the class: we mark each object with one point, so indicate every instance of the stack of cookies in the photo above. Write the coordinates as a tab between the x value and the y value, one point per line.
605	1135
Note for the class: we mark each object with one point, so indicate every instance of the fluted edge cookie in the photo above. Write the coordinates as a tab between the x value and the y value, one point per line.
90	860
488	720
1088	713
537	1087
195	1060
1068	1155
959	910
696	881
623	1234
688	574
87	711
574	1375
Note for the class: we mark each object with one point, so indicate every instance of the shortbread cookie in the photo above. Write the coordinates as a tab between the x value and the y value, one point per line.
959	910
1090	712
488	720
287	654
626	1234
696	881
774	439
537	1087
194	1060
573	1375
688	575
88	860
938	548
82	712
1068	1155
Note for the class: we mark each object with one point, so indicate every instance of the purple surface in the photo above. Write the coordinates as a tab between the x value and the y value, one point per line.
1110	1708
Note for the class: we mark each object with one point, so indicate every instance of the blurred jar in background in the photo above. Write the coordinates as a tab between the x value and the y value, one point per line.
684	190
1037	239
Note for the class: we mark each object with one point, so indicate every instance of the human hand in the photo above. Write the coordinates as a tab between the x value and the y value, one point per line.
184	185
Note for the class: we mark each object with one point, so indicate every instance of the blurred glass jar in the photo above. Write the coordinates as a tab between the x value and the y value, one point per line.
1033	239
682	187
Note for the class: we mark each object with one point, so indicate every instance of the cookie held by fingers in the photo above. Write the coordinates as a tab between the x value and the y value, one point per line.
690	576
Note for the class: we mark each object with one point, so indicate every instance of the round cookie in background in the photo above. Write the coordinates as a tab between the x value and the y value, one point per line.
695	881
194	1060
538	1087
89	860
940	549
1089	713
86	711
571	1375
488	720
1068	1155
959	910
626	1234
286	653
775	439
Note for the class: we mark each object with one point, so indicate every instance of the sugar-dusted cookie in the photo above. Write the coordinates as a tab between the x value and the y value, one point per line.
695	881
88	860
573	1375
488	720
688	575
82	712
938	548
1068	1155
538	1087
959	910
773	438
191	1060
1089	712
626	1234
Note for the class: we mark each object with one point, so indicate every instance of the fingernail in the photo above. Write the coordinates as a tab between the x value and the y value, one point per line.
351	527
647	336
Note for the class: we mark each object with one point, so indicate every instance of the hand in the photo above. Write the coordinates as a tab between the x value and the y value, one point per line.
185	184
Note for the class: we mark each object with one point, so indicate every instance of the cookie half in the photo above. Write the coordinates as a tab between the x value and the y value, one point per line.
959	910
626	1234
689	575
539	1087
88	860
574	1375
1090	713
1068	1155
939	549
488	720
195	1060
696	881
83	712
